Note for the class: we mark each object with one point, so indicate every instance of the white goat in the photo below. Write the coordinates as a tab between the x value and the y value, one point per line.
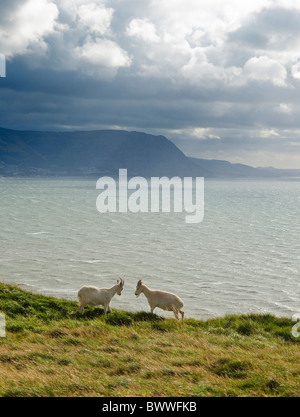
161	299
99	296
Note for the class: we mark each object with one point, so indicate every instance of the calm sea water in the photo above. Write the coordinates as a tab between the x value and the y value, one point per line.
244	257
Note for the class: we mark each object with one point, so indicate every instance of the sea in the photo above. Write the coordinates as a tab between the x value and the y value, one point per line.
243	257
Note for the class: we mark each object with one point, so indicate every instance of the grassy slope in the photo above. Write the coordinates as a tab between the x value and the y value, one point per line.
51	350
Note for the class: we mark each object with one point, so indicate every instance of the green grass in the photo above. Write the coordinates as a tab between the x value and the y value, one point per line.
52	350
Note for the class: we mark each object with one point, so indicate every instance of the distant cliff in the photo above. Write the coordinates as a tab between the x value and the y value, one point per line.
104	152
216	168
91	153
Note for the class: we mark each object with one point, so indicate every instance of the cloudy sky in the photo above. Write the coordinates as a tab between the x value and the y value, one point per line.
220	78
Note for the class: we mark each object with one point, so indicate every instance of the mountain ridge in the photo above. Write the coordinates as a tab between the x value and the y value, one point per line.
47	153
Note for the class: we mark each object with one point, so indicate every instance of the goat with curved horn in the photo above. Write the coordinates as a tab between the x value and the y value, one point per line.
99	296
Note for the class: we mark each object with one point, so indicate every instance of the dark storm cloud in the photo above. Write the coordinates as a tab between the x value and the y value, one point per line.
270	29
213	88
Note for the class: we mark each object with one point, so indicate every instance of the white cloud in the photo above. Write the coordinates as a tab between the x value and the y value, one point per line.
203	133
95	18
296	70
263	68
267	133
286	108
89	41
27	27
215	17
194	44
188	44
142	29
103	53
200	71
